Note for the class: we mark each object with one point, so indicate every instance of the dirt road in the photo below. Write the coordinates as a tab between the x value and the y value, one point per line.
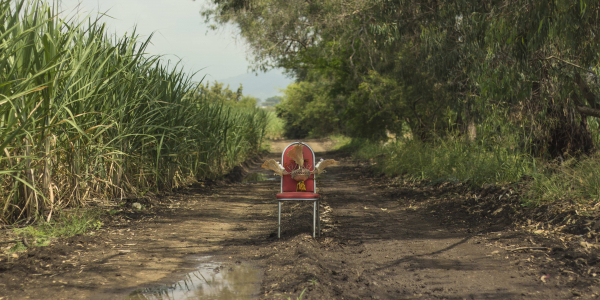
381	239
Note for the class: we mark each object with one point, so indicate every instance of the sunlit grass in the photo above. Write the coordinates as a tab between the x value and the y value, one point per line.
340	142
66	225
478	163
447	160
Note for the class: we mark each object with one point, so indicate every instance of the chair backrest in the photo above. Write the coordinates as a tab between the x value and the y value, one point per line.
287	183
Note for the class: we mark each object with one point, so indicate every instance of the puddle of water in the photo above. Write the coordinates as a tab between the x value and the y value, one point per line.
253	177
211	281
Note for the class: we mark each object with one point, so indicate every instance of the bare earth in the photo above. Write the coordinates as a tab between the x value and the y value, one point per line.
381	239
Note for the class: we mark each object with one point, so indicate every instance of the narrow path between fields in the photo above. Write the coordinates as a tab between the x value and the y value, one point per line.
380	241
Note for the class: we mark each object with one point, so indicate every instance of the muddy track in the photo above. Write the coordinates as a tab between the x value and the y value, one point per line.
380	240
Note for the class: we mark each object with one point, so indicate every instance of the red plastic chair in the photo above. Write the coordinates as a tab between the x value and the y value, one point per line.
289	185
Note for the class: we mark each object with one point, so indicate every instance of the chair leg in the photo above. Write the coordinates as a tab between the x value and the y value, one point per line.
314	218
279	220
319	216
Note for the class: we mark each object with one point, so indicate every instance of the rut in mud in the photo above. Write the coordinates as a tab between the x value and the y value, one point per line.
381	239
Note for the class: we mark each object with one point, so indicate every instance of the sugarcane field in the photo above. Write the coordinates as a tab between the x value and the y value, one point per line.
262	149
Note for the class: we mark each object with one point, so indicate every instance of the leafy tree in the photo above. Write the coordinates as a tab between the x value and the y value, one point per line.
307	110
343	42
272	101
218	92
436	65
541	60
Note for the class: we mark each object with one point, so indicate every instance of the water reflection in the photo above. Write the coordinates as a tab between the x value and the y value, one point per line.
252	177
211	281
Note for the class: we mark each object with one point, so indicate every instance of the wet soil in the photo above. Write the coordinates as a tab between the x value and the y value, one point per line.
212	280
381	238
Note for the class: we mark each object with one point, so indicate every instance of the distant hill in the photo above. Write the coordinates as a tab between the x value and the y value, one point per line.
263	86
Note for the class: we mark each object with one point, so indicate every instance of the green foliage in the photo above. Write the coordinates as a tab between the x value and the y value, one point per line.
18	247
307	111
405	96
340	142
447	159
275	127
67	224
357	71
432	66
576	180
218	93
87	115
476	87
491	161
272	101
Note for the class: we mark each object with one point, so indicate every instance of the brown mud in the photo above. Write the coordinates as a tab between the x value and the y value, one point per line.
381	239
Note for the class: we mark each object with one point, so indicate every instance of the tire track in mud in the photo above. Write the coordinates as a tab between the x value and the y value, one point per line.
382	241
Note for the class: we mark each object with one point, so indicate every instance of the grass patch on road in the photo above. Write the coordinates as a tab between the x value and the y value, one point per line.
65	225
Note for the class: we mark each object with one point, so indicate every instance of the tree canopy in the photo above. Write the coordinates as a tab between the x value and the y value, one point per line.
433	66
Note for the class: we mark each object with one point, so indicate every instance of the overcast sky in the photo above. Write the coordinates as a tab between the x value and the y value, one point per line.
179	31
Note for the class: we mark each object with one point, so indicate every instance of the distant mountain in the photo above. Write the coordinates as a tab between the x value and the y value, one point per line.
263	86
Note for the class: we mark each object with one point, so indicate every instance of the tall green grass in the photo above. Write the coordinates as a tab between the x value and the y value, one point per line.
275	127
67	224
446	160
477	163
86	115
575	180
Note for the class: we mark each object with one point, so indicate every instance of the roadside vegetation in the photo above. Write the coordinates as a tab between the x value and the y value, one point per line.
275	127
477	92
64	225
575	180
86	116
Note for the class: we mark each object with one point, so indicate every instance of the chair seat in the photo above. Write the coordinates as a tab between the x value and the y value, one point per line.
297	195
